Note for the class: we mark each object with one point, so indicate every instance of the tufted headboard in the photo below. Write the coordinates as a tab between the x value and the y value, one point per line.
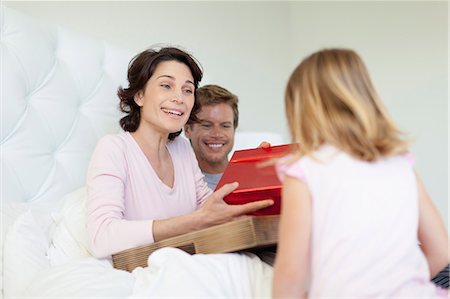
58	96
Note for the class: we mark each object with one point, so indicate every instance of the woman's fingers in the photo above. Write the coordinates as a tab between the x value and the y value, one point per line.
254	206
226	189
228	212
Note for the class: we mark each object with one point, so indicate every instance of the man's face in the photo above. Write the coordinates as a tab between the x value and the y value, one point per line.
212	138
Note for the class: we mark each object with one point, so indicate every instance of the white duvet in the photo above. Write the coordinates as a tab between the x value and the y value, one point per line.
176	274
53	261
171	274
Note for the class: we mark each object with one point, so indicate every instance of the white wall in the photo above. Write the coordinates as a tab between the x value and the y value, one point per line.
251	48
405	47
242	49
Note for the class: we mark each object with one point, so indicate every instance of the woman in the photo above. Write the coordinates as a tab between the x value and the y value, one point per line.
144	185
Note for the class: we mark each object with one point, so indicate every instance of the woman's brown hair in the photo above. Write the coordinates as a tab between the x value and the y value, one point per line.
140	69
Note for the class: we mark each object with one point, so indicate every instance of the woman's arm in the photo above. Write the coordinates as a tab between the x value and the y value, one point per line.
292	258
215	211
110	233
432	233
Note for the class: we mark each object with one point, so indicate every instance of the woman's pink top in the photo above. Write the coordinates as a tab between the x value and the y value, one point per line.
125	195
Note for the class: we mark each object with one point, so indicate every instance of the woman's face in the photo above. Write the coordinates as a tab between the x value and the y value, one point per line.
168	97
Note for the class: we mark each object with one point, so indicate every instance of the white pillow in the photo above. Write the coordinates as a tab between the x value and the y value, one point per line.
24	254
9	215
70	238
10	211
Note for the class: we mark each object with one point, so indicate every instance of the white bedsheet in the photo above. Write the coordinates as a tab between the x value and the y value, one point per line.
172	273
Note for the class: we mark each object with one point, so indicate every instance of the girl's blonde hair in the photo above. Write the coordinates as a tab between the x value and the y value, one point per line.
330	99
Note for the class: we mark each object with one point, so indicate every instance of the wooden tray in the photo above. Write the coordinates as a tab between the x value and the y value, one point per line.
243	234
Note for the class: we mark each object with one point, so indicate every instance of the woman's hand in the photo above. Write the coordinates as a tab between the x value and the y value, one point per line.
216	211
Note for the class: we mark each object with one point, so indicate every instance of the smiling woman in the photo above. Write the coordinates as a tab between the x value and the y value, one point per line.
167	99
145	185
152	74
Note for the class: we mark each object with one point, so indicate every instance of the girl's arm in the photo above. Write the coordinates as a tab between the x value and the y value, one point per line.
432	233
292	258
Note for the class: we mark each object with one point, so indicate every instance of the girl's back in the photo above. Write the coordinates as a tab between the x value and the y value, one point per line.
355	214
364	226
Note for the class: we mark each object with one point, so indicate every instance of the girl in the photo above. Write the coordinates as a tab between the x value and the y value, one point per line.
353	208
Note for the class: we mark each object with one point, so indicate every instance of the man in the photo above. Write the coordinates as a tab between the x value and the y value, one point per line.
210	128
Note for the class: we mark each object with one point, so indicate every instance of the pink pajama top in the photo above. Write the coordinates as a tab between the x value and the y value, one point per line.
365	217
125	195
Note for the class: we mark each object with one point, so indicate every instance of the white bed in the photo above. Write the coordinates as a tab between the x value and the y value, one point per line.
57	99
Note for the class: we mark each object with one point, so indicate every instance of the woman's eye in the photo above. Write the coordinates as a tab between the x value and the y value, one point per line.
188	90
166	86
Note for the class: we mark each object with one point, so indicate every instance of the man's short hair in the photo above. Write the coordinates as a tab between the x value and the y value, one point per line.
210	95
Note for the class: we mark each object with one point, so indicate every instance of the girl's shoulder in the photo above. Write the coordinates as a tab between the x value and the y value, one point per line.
290	165
410	158
297	166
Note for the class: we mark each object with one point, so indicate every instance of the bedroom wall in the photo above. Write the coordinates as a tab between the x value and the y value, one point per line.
247	57
405	47
252	47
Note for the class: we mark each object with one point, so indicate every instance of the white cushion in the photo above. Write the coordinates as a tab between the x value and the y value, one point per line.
69	240
9	214
24	254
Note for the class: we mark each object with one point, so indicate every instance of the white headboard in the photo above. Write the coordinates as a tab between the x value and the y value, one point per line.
57	98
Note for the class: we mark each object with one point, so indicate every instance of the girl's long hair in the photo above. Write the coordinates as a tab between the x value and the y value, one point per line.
330	99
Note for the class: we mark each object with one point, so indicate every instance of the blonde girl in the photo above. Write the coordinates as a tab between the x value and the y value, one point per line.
354	211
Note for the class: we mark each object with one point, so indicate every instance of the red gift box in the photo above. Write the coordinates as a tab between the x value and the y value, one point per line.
255	183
